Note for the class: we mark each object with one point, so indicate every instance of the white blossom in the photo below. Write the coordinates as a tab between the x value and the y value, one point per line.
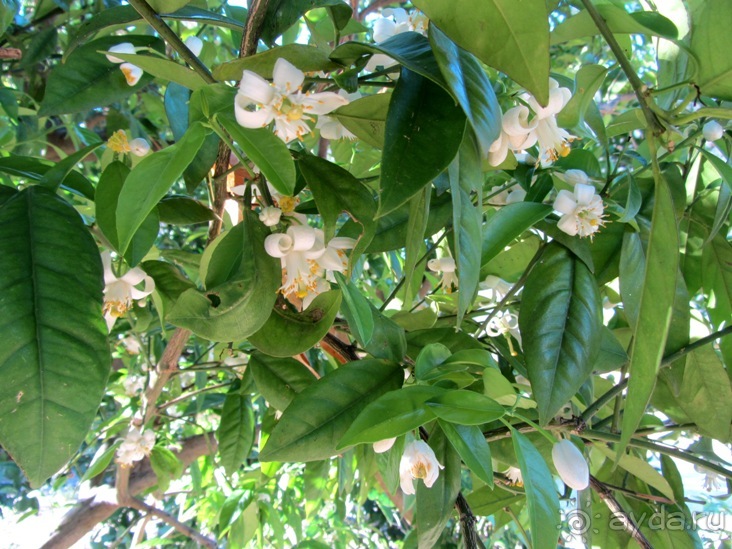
515	476
124	47
582	210
712	481
494	288
418	461
511	195
131	345
139	146
134	385
391	22
571	465
712	131
135	446
446	266
195	44
574	177
504	323
258	102
270	216
132	73
385	445
120	292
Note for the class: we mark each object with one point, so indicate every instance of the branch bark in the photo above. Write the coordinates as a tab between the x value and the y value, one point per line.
609	499
86	514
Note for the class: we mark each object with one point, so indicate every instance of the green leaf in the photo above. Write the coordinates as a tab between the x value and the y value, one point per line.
266	150
181	210
54	177
470	85
470	444
336	191
236	430
366	118
388	340
169	284
656	305
586	83
305	58
150	180
165	69
54	360
101	462
436	505
86	80
279	379
466	407
166	466
723	168
240	304
424	130
489	500
711	21
317	418
429	359
632	265
641	469
540	492
287	333
560	322
282	14
35	169
391	415
357	310
466	177
717	276
508	224
510	36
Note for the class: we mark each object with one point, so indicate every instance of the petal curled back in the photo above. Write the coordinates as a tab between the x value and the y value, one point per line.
255	89
278	244
146	291
251	119
303	237
323	102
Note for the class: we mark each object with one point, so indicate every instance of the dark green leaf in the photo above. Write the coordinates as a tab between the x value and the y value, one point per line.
470	444
366	118
586	83
35	168
508	224
489	500
305	58
282	14
357	310
55	177
423	133
181	210
429	359
466	407
54	360
560	322
169	283
165	69
279	379
236	430
711	21
317	418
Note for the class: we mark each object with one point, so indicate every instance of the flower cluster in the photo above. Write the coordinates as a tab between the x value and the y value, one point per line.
306	261
582	210
282	101
132	73
524	126
135	446
120	292
134	385
418	461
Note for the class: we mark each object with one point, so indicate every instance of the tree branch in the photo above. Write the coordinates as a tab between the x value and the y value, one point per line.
609	499
86	514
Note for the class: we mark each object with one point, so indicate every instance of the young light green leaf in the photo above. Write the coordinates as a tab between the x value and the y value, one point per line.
317	418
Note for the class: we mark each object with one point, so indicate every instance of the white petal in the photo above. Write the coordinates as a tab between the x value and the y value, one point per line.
584	194
278	244
515	121
110	319
107	264
323	103
251	119
574	177
133	277
498	151
140	294
124	47
270	216
379	60
303	237
712	131
287	77
568	224
516	195
384	29
571	465
132	73
385	445
565	202
255	89
139	146
195	44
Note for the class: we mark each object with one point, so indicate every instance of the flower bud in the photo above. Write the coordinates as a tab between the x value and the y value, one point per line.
270	216
571	465
132	73
713	131
385	445
573	177
139	146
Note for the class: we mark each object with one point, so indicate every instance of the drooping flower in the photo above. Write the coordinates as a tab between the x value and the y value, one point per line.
131	345
270	216
139	146
712	481
582	210
120	292
132	73
494	288
515	476
446	266
385	445
195	44
418	461
258	102
516	134
712	131
134	385
135	446
504	323
571	465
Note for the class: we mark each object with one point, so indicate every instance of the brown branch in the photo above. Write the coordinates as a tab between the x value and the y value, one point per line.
166	367
86	514
10	53
630	526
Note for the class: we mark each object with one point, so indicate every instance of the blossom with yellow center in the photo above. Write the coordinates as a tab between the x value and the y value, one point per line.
135	446
582	211
118	142
446	266
418	461
119	293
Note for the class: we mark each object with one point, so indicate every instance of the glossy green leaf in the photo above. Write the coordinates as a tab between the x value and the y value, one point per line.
510	36
366	118
436	505
317	418
236	430
169	284
35	169
632	266
150	180
586	83
87	80
388	340
266	150
54	360
620	21
391	415
305	58
357	310
656	305
466	407
489	499
287	333
560	322
470	444
238	306
711	21
336	191
470	85
423	133
279	379
55	177
508	224
165	69
612	354
541	494
282	14
181	210
429	359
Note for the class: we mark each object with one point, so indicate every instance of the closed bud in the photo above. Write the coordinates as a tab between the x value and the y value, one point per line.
571	465
713	131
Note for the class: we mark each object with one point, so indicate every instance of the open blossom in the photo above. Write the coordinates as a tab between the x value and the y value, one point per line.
523	127
307	262
120	292
132	73
515	476
504	324
582	210
394	21
571	465
258	102
135	446
134	385
446	266
385	445
418	461
712	481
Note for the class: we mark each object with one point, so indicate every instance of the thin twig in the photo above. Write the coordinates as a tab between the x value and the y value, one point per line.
609	499
166	367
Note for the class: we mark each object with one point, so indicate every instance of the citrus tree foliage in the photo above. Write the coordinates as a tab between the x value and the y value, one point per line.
325	273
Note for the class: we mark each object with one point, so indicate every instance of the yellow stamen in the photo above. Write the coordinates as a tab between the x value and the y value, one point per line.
129	76
287	204
118	142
